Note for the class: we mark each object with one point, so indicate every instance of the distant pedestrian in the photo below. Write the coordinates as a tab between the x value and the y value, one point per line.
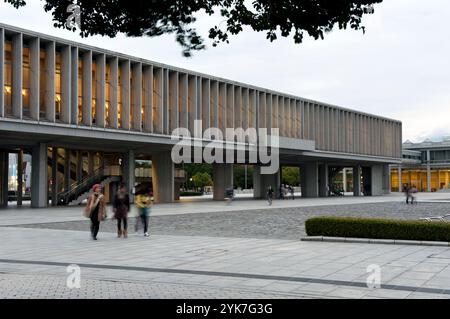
270	195
282	192
143	204
413	195
121	206
408	193
291	191
95	210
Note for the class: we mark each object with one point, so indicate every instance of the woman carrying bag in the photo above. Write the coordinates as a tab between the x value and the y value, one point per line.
95	210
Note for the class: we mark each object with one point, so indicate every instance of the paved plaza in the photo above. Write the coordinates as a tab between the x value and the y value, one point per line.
242	250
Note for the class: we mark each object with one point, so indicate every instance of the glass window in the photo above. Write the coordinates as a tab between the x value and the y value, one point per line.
8	79
58	86
80	91
94	92
119	96
42	84
107	94
26	82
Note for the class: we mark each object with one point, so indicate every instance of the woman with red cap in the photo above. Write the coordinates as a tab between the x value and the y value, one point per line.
96	209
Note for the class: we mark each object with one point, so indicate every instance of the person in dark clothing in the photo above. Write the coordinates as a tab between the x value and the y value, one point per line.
95	210
121	206
408	194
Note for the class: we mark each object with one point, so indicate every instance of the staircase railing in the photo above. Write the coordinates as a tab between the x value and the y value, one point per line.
81	187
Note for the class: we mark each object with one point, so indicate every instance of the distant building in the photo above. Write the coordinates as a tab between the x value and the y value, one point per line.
425	165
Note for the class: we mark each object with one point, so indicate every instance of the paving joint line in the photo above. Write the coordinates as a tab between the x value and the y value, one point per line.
233	275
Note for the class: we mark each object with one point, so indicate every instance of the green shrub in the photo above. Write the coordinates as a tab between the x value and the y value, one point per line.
378	228
191	193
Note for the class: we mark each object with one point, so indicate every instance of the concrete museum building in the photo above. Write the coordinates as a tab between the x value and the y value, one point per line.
84	115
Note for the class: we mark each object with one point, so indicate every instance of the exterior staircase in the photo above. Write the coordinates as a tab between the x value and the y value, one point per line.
79	200
80	191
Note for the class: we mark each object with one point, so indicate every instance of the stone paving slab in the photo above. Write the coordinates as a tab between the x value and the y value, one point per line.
332	270
275	223
13	286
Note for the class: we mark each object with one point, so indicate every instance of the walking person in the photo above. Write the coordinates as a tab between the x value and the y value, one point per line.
143	204
413	195
121	206
291	191
407	191
270	195
95	210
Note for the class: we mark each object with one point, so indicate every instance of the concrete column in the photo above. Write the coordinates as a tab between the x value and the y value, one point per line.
244	109
39	183
2	79
386	179
323	180
214	94
19	178
114	92
35	52
261	183
74	85
173	101
148	99
237	107
158	120
17	74
184	104
223	179
261	110
400	179
101	90
55	180
229	120
4	164
192	101
137	97
126	101
268	110
128	172
309	180
87	88
344	179
165	102
50	68
357	180
206	96
377	180
429	171
67	171
163	174
429	178
66	75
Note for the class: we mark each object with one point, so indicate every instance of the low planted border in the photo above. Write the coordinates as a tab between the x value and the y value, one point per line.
372	228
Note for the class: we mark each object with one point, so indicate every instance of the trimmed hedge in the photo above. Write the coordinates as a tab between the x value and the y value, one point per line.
349	227
191	193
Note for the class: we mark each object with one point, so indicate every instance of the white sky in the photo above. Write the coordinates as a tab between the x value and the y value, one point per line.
398	69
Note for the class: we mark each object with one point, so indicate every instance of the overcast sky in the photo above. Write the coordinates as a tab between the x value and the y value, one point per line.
400	68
